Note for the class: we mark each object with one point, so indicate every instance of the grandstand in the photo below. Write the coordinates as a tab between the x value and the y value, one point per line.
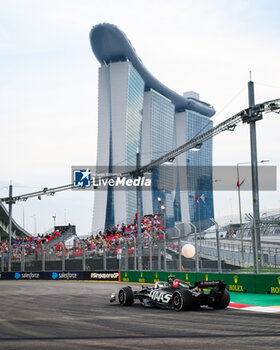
17	230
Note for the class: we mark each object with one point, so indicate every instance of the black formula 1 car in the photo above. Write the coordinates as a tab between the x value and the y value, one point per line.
177	295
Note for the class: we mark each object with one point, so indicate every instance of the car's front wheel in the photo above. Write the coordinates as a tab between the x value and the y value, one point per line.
182	300
126	296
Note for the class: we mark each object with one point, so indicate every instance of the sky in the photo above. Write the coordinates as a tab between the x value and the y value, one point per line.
49	85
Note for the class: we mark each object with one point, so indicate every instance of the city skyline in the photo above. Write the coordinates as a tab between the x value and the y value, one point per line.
49	87
137	112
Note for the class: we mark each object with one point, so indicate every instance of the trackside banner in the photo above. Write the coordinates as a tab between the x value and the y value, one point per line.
236	282
103	276
62	275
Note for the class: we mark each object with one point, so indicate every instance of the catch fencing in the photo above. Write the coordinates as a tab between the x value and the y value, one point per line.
163	255
160	252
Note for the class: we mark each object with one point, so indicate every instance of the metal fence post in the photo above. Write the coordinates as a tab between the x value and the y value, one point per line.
120	260
22	260
135	254
150	251
179	249
180	253
254	244
104	256
84	257
257	253
159	256
126	256
218	245
195	243
2	262
63	256
10	202
164	250
43	257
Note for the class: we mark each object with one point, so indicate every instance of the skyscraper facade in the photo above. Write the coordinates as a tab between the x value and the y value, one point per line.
136	111
197	163
157	139
120	103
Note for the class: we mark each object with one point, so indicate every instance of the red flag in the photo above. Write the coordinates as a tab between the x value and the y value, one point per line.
197	198
240	184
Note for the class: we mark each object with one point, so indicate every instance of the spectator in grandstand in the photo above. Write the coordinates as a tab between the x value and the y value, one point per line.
31	245
119	236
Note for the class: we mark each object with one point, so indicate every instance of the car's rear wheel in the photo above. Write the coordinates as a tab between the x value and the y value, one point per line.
126	296
182	300
223	301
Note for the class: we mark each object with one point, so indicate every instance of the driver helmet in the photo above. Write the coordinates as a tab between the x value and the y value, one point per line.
171	280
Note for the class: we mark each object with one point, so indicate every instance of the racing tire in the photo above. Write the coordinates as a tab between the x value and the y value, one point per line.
126	296
182	300
223	302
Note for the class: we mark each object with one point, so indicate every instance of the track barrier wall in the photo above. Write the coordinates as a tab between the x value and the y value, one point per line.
240	283
62	275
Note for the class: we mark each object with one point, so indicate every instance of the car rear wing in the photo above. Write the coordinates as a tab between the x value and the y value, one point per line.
210	284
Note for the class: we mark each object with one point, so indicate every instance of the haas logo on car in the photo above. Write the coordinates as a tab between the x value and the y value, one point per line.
160	296
176	283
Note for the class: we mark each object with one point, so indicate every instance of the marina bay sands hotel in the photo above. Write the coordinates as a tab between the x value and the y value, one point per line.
136	111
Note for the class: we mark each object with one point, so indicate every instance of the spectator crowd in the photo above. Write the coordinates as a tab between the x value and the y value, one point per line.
32	245
120	236
111	240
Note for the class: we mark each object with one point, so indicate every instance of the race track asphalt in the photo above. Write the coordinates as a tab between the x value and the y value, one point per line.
78	315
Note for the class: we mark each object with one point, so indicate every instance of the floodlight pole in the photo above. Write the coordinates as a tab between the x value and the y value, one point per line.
240	214
199	218
10	202
239	200
140	266
254	171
